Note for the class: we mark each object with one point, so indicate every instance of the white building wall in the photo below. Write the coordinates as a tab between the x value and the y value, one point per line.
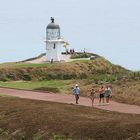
54	52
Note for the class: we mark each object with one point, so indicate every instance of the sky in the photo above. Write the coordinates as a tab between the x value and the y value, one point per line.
110	28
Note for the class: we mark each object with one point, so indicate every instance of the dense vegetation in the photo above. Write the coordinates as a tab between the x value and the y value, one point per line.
127	91
82	55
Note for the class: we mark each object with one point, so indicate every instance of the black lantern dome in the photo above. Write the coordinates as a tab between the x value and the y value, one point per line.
53	25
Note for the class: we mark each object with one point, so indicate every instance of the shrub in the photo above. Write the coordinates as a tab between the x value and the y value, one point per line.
103	78
82	55
134	75
26	77
3	77
83	76
51	75
11	76
68	76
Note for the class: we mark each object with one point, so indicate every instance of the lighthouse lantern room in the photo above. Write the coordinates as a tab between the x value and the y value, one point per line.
54	42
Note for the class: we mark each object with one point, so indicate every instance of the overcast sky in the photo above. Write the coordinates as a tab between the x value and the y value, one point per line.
110	28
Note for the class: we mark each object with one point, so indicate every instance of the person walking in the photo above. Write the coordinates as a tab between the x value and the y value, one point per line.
76	91
101	94
92	96
107	94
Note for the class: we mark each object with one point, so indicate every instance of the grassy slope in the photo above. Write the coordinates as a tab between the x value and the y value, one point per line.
127	91
52	85
21	65
95	72
37	120
76	69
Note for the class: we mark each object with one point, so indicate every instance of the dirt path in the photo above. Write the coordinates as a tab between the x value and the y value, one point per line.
113	106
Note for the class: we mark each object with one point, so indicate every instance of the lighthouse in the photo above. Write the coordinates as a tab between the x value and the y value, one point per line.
54	42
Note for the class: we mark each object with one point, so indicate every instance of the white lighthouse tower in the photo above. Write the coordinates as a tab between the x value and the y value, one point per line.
54	42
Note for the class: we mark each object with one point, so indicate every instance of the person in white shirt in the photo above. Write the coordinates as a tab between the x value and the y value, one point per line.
76	91
107	94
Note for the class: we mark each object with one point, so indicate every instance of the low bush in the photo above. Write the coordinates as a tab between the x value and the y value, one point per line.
11	76
26	77
82	55
98	78
3	77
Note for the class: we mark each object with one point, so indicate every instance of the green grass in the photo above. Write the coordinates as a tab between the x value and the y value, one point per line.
22	65
4	95
26	65
50	85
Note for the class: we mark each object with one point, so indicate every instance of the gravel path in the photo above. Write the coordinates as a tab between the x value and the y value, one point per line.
113	106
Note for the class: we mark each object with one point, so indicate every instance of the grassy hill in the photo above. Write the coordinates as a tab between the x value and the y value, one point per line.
73	70
60	77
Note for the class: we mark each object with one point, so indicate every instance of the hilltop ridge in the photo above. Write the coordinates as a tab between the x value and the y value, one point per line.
76	68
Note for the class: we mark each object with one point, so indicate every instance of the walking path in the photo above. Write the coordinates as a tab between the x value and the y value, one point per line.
113	106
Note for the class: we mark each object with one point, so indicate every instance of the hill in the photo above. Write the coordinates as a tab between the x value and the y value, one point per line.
60	77
77	69
38	120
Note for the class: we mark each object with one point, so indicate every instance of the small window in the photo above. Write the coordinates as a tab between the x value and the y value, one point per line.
54	46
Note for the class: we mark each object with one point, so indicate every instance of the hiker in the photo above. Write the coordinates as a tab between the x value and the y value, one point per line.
76	91
51	61
101	94
92	95
107	94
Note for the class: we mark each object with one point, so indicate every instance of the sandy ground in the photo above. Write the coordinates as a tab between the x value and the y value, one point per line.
43	59
37	61
70	99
